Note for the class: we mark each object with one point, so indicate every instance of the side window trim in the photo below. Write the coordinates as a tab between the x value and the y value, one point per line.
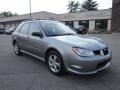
41	29
28	29
21	27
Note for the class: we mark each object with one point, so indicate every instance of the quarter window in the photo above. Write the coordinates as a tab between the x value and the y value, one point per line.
34	27
24	28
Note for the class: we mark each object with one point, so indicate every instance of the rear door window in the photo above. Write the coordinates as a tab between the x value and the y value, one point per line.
24	28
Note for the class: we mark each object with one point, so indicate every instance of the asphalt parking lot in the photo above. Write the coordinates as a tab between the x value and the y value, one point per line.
27	73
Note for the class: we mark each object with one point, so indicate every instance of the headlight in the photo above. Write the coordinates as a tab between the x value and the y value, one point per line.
83	52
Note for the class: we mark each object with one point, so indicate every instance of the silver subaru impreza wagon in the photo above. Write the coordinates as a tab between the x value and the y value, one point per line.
61	48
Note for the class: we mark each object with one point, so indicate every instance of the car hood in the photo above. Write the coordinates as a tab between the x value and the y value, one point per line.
83	41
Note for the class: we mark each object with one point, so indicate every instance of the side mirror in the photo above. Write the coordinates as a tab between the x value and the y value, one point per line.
37	34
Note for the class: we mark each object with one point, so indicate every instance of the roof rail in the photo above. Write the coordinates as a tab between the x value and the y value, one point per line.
30	20
36	20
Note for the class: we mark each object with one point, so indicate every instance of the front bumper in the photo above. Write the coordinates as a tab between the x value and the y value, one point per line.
90	72
89	65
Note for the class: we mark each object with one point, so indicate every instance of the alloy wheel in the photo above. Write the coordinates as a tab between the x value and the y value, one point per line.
54	63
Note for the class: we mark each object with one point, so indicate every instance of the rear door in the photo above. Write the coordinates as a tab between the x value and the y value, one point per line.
22	37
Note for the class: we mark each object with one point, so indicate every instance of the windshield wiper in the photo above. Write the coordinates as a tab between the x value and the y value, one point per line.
69	34
62	34
54	35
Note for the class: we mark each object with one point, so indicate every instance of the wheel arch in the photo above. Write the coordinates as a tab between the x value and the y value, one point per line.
14	41
51	49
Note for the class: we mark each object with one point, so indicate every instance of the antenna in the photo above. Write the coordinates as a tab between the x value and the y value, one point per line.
30	8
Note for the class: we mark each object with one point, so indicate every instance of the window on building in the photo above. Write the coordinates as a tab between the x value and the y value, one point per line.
34	27
84	23
101	25
69	23
24	28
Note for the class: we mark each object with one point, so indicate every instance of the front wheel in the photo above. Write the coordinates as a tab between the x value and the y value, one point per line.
55	63
17	49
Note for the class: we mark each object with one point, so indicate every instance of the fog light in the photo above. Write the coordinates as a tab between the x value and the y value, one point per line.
78	67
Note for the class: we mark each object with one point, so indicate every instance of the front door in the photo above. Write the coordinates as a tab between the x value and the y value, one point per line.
35	43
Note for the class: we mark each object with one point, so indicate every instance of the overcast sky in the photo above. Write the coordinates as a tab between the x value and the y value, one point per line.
55	6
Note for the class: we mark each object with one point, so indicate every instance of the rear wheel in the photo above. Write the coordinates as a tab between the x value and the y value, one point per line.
55	63
17	49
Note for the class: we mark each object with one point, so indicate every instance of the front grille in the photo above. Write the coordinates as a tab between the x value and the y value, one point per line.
104	51
97	52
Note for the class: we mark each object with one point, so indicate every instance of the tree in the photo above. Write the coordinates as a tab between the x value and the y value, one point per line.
7	14
90	5
73	6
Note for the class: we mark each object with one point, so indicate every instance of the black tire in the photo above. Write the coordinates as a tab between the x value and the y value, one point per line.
17	49
61	70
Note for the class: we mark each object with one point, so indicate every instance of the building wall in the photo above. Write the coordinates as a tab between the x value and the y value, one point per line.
1	26
10	24
75	19
90	16
92	25
116	15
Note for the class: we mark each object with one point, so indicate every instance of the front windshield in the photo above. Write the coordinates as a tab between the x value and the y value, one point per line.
56	29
